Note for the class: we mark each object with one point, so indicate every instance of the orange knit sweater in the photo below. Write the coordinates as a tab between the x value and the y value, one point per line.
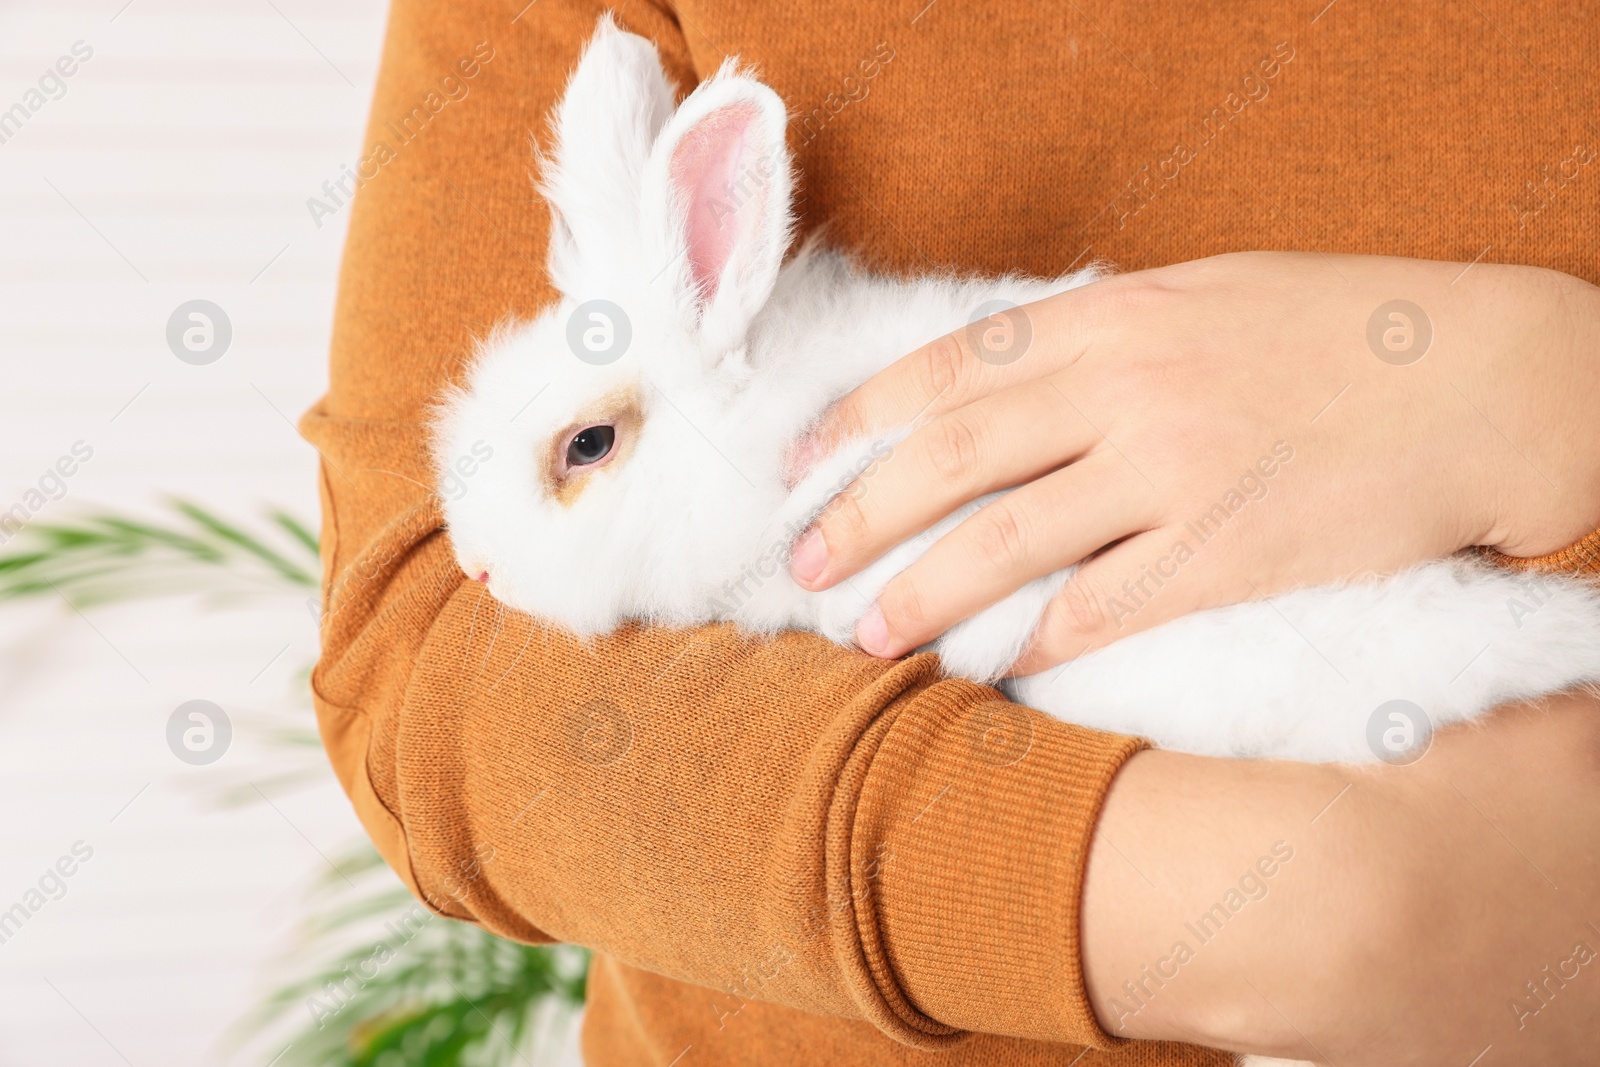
785	852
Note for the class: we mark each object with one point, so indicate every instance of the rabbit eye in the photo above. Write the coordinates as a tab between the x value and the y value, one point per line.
602	435
591	445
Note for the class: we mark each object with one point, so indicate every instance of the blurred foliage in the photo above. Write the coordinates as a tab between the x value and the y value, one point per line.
394	985
101	558
382	981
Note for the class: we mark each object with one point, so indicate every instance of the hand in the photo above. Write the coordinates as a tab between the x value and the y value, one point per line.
1221	430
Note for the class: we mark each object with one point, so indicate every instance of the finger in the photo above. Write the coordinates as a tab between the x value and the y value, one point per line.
999	441
1139	584
1005	545
1005	348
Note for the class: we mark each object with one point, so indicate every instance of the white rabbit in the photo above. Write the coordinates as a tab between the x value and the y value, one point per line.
626	452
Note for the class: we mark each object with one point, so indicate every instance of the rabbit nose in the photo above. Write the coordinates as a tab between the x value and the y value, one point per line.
483	576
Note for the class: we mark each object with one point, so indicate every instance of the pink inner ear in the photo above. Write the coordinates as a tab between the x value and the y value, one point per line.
721	191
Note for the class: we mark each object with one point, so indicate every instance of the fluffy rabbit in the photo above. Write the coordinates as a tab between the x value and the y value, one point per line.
628	448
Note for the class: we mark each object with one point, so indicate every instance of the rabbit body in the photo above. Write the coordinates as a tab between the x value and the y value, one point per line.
690	356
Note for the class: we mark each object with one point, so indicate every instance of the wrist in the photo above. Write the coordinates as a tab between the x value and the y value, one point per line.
1539	394
1212	882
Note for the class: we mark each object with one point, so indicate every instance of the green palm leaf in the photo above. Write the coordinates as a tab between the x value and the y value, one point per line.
449	995
104	557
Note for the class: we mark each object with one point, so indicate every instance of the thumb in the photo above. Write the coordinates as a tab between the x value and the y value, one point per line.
1140	583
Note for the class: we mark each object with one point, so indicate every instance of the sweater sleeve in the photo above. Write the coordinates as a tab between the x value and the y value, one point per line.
783	819
1578	560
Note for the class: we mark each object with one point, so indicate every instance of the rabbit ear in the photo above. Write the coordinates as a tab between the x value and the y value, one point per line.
716	199
617	101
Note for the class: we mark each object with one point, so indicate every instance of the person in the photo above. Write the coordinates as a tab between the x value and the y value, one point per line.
783	851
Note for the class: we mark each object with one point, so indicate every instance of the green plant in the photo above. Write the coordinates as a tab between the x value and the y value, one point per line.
102	557
381	981
396	985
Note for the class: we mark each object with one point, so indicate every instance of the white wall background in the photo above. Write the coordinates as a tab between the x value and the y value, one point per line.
176	166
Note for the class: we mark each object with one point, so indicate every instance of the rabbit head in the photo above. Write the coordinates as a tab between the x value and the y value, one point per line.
581	438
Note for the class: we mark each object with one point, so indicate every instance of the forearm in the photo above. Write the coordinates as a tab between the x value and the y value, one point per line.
1405	910
779	820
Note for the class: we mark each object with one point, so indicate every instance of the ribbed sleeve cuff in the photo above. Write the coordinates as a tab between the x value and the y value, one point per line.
962	864
1579	560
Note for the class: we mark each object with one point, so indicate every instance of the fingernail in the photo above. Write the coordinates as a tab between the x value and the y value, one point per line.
809	558
872	633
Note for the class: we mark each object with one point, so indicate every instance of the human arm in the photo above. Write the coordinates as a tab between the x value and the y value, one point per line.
1405	923
1415	907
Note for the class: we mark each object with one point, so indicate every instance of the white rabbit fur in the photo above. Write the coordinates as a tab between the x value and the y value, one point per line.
681	217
